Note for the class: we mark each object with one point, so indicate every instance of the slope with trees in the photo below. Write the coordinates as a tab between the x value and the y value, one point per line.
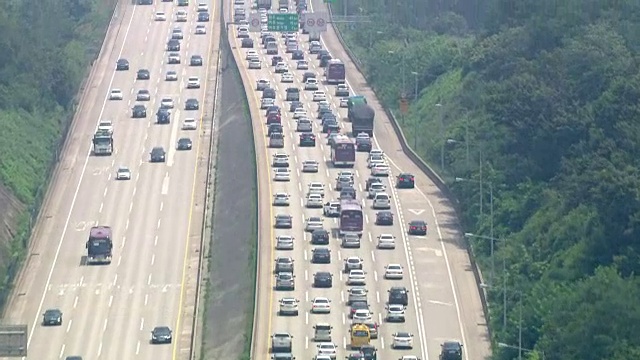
45	49
543	96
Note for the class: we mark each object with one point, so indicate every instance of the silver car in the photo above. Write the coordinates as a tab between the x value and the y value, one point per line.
357	293
314	223
351	241
310	166
285	281
283	221
284	242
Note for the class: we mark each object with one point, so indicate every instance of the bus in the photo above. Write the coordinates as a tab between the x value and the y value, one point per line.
351	220
99	245
360	336
343	152
335	72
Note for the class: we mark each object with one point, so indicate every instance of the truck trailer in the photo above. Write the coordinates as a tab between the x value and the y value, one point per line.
264	4
362	118
100	245
102	143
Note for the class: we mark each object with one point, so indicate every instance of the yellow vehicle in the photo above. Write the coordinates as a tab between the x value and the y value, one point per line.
360	335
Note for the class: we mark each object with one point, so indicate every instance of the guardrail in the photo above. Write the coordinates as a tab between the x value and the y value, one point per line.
428	170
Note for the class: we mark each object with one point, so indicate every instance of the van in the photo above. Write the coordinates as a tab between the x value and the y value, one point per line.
276	140
322	332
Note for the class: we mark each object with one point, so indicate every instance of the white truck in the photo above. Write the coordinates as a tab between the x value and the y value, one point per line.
106	125
102	143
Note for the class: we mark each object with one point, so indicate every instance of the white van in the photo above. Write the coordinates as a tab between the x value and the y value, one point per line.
322	332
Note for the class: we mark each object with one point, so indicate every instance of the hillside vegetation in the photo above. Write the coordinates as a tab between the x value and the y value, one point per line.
45	49
540	99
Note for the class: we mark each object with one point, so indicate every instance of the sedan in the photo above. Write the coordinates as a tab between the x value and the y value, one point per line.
357	294
143	74
319	95
281	68
380	170
123	173
116	94
284	242
418	227
196	60
52	317
174	58
184	144
283	221
393	272
191	104
384	218
171	75
351	241
322	279
255	64
189	124
143	95
302	65
311	84
286	78
327	349
314	201
193	83
201	29
357	277
161	335
313	223
310	166
161	16
281	174
395	313
386	241
166	103
288	306
362	315
402	340
321	305
281	199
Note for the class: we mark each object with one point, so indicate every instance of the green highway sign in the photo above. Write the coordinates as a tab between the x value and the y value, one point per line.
283	22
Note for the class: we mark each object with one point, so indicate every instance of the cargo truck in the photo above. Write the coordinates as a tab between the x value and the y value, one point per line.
102	143
283	4
264	4
361	117
99	245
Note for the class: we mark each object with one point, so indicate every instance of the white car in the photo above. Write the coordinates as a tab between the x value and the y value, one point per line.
252	54
166	103
395	313
357	277
181	16
288	306
376	152
282	67
328	349
286	78
302	65
353	263
171	75
281	199
386	241
161	16
281	174
201	29
202	7
362	315
280	160
402	340
380	170
316	188
376	188
243	32
174	58
265	103
310	166
255	64
313	223
393	272
319	95
314	201
193	82
375	160
311	84
299	112
321	305
382	201
123	173
344	102
189	124
116	94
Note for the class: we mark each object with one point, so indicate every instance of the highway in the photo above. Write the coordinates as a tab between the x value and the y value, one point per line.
444	303
110	310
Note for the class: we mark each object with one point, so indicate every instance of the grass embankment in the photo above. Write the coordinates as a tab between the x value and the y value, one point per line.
57	42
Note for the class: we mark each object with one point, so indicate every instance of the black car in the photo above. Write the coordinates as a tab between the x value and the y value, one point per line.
384	218
247	43
372	180
406	181
138	111
328	116
330	126
307	140
398	295
269	93
272	108
274	128
322	279
73	358
191	104
52	317
364	144
324	61
295	105
320	237
348	193
369	352
173	45
417	227
161	335
122	64
203	17
184	144
292	94
158	154
143	74
322	53
321	256
323	112
297	55
196	60
451	350
355	356
163	116
267	39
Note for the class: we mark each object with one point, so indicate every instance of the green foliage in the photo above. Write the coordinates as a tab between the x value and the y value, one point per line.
544	97
45	50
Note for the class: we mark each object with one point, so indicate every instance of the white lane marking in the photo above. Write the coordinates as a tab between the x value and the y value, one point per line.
104	325
69	325
138	348
141	324
75	302
174	135
100	349
75	195
62	351
165	184
110	300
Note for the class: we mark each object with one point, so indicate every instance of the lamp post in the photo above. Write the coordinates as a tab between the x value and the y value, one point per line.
490	199
493	262
401	71
519	347
503	345
415	93
439	106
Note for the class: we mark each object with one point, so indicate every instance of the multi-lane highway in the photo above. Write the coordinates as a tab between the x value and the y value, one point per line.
110	310
443	300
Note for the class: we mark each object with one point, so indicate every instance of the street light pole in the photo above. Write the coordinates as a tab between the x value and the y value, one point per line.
415	93
404	88
504	293
493	240
439	106
520	329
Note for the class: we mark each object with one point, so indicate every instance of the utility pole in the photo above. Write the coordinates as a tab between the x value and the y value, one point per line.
439	106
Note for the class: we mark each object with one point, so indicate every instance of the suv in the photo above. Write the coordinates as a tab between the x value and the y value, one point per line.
352	263
451	350
293	94
158	154
398	295
406	181
363	142
284	264
163	116
321	256
320	237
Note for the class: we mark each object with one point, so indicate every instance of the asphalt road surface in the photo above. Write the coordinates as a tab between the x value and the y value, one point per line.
109	311
444	301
